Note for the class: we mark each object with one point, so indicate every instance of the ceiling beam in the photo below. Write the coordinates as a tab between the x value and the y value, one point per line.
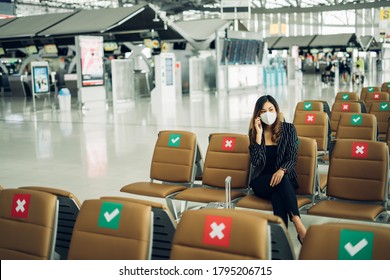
322	8
59	5
291	4
255	5
263	3
343	5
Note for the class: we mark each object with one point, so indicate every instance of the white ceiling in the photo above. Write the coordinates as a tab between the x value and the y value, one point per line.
178	6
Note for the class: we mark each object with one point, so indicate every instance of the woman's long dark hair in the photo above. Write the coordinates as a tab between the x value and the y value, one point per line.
276	126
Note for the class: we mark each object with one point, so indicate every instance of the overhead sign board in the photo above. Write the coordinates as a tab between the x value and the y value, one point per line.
236	9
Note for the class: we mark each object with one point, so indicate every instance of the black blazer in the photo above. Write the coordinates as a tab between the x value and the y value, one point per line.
287	152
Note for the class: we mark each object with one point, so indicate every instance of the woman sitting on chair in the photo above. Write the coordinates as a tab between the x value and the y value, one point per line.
273	153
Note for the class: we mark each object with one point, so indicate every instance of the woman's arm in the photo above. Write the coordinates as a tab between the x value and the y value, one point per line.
257	152
291	153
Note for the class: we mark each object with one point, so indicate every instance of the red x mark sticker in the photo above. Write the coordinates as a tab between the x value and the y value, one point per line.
345	107
20	205
217	231
359	150
310	118
228	143
377	96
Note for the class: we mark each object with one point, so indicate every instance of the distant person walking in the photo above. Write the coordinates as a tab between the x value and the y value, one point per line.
360	64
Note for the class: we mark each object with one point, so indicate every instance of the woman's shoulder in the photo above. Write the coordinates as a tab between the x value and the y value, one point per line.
288	126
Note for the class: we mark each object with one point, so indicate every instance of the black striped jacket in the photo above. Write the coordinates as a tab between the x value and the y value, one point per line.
287	152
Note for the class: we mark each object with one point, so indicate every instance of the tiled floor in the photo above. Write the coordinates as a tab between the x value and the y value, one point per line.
96	152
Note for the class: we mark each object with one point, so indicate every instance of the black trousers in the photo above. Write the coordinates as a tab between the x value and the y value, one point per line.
282	196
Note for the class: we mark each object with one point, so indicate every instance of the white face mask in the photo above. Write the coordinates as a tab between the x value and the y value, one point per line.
268	117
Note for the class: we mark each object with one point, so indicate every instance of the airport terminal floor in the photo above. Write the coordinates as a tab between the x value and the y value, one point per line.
94	153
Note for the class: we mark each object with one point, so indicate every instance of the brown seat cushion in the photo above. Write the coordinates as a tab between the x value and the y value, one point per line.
28	222
221	234
330	242
173	164
346	210
116	230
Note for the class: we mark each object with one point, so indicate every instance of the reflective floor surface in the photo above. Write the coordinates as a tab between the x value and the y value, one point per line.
95	152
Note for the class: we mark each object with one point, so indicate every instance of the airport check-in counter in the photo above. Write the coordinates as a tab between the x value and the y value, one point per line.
71	83
16	86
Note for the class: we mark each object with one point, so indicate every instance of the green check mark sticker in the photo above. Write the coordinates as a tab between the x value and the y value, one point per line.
174	140
355	245
307	106
356	119
110	214
370	89
384	106
345	96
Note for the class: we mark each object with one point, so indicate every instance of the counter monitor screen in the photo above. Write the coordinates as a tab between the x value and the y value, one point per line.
110	46
50	49
32	49
169	71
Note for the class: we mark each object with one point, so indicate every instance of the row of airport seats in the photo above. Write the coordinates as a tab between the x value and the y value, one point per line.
120	228
378	94
357	177
227	156
31	223
218	166
377	102
311	117
311	112
385	88
126	228
49	223
347	120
